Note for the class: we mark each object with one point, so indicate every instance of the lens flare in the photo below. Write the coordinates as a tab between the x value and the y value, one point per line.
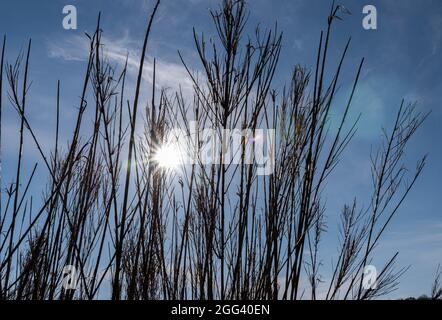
167	156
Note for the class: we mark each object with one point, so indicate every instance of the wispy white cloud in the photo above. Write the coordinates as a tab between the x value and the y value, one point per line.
421	235
436	34
169	75
71	50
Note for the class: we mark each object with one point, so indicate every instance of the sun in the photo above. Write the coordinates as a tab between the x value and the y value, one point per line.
167	156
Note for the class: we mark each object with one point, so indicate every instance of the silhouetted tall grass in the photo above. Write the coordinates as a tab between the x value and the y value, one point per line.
135	230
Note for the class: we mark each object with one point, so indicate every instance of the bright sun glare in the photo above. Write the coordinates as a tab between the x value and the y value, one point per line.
168	156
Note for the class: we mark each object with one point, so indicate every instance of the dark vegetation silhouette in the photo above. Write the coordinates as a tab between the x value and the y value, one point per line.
135	230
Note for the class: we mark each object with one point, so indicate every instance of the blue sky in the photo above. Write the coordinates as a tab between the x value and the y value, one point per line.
403	60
